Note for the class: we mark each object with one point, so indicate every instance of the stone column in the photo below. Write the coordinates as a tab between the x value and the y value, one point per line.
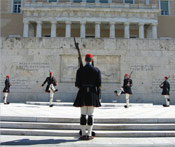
83	29
112	29
97	29
127	30
154	30
53	28
39	29
68	29
26	29
141	30
31	30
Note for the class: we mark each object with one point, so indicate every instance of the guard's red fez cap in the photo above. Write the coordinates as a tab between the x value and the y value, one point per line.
7	76
51	73
166	77
89	56
126	74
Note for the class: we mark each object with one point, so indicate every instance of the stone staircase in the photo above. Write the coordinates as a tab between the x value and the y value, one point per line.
114	127
114	104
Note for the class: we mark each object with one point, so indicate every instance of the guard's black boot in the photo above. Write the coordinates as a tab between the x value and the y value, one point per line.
116	92
51	105
126	106
165	105
7	103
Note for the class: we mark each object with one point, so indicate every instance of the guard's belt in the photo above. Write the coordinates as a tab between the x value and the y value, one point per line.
88	87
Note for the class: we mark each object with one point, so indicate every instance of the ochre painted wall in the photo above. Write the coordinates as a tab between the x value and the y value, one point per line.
166	26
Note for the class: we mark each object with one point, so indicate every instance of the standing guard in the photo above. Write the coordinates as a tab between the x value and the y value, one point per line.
126	89
6	89
88	80
51	82
166	91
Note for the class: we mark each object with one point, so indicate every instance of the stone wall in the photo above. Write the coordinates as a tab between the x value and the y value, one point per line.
29	60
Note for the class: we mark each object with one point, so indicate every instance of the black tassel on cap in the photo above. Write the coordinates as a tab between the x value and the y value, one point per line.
92	62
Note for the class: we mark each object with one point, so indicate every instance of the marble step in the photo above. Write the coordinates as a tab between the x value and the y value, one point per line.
58	103
77	120
76	126
74	133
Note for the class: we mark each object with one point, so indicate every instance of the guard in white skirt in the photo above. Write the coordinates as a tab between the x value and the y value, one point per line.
88	80
126	89
50	88
6	89
166	91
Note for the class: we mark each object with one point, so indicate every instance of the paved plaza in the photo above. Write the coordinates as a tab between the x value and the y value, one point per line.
108	111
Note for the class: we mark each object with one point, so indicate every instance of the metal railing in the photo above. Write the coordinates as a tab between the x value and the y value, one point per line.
137	4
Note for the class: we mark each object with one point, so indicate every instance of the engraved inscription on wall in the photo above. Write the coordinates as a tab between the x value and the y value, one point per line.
143	67
32	66
17	84
109	66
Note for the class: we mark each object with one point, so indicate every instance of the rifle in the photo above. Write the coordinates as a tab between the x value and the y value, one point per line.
130	74
79	54
162	82
130	77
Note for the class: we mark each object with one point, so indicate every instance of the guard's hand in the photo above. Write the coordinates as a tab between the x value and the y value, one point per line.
100	100
76	44
41	86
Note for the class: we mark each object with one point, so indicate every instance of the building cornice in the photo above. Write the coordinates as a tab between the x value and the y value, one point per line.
90	13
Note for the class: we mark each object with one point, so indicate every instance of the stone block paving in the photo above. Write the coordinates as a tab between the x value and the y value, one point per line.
142	111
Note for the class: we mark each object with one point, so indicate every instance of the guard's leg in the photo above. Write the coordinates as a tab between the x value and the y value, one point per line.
51	98
5	97
90	120
83	120
167	100
127	100
120	91
53	88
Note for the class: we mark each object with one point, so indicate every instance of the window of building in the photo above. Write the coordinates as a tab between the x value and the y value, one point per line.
77	1
90	1
52	1
16	6
164	5
129	1
103	1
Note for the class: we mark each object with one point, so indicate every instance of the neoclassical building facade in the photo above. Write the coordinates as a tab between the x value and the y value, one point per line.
88	18
110	20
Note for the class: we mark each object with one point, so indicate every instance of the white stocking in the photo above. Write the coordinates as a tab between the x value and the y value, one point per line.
90	113
120	91
51	97
5	97
166	100
127	99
